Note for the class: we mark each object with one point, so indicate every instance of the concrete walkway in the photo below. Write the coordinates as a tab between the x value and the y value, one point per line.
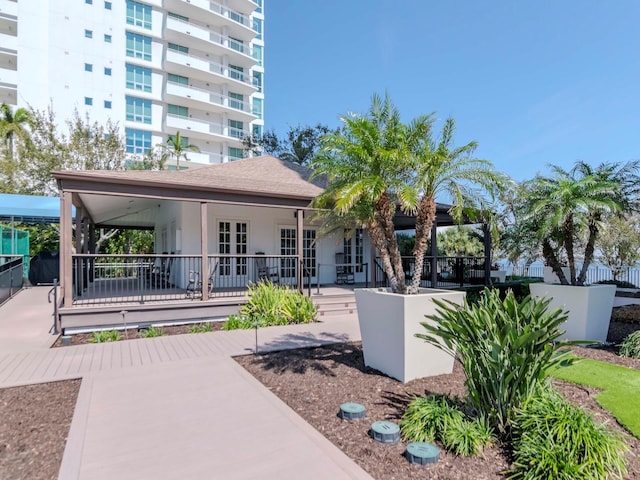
180	407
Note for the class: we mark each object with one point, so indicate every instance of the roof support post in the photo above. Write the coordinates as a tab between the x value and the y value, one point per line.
486	232
92	249
299	247
78	246
434	254
373	270
66	261
204	249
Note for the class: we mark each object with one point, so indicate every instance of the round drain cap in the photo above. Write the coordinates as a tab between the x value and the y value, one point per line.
422	453
352	411
385	432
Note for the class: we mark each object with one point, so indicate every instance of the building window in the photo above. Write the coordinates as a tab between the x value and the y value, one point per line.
139	14
178	17
178	110
88	101
257	54
107	71
256	131
107	38
138	110
237	73
257	80
107	5
179	79
138	46
241	248
235	153
107	104
88	2
88	33
259	3
257	27
178	48
236	128
88	67
257	107
224	247
236	100
138	78
288	247
138	141
236	44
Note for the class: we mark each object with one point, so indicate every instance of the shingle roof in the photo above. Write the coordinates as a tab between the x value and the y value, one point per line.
264	175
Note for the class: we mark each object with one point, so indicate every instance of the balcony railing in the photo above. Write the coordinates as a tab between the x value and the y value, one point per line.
211	97
214	67
450	271
203	126
203	31
169	278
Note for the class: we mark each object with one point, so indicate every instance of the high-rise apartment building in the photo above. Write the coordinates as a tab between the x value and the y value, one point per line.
156	67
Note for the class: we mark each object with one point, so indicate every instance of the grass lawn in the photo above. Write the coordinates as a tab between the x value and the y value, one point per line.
619	385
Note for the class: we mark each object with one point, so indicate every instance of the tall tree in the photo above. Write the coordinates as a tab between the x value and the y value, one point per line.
300	145
459	242
619	244
14	124
177	147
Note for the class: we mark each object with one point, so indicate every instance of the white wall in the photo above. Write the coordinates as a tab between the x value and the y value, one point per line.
263	232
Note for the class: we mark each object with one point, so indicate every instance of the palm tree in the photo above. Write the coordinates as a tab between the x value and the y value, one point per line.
13	124
567	207
459	241
439	168
177	147
376	162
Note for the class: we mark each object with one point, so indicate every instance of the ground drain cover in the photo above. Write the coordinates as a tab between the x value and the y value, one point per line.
422	453
385	432
352	411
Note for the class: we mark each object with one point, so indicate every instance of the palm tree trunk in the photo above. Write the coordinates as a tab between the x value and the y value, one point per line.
377	235
550	257
588	253
424	221
385	218
567	238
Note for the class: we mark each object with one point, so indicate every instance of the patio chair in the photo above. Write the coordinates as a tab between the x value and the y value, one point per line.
266	272
194	282
344	273
160	274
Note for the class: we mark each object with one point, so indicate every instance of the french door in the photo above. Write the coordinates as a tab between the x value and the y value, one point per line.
233	239
288	246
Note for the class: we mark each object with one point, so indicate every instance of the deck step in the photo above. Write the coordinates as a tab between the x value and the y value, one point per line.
335	305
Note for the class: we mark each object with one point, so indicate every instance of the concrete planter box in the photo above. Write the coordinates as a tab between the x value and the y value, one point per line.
589	308
388	324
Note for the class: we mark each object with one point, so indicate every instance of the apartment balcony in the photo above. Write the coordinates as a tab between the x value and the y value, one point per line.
200	36
204	157
202	68
198	128
8	42
8	77
213	13
9	8
202	99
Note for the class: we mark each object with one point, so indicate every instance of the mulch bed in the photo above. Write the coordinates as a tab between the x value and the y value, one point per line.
133	333
34	425
314	382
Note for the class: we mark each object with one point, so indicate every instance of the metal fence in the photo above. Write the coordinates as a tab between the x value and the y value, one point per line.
10	276
450	271
123	279
595	273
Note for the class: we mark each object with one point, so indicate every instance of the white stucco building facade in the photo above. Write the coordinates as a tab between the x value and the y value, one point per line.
154	66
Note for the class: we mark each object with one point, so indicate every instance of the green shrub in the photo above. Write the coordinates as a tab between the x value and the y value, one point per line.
201	328
236	322
105	336
439	418
505	347
631	345
554	439
270	304
617	283
151	332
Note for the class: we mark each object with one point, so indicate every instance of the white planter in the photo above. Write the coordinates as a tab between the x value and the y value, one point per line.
589	308
551	277
388	324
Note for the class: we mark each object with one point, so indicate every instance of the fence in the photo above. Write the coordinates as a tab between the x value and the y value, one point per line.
595	273
10	276
450	271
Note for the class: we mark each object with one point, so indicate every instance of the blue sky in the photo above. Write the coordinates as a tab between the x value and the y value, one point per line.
534	82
